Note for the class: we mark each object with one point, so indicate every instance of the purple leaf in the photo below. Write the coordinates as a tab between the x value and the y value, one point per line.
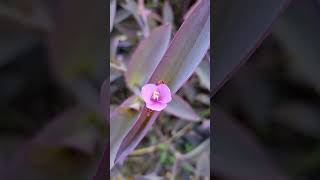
136	133
187	48
117	66
239	28
113	7
121	120
186	15
180	108
152	176
237	155
167	13
137	13
146	57
113	49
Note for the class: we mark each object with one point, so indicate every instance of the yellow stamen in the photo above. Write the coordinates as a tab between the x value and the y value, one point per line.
155	95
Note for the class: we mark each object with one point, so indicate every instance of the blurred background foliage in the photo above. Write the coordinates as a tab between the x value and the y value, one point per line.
267	118
52	65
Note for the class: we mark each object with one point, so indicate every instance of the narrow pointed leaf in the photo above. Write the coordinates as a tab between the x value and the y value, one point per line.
121	15
140	128
239	28
114	44
147	56
121	120
134	9
113	7
187	48
167	13
180	108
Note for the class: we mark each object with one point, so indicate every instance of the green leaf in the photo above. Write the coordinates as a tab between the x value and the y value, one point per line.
163	147
163	157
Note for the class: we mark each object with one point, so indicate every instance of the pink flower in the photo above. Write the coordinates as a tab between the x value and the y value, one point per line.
155	96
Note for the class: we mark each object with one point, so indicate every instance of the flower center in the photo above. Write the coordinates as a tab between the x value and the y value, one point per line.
155	95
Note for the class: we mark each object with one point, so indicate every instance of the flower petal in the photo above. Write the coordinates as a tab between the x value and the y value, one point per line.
165	93
146	92
156	106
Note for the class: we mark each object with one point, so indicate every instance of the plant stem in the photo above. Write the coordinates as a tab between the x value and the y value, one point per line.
151	149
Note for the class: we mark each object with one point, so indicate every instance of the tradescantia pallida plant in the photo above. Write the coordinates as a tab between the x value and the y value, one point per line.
157	69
